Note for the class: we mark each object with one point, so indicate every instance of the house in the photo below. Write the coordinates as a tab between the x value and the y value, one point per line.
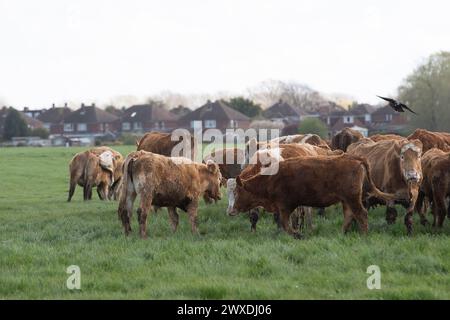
147	117
215	115
180	111
286	113
53	118
386	120
362	112
90	121
32	113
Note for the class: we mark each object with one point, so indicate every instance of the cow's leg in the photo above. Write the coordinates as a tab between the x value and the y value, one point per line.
87	191
277	220
420	208
348	217
391	213
309	217
126	210
192	212
439	209
142	213
254	217
360	214
448	210
72	185
414	193
285	217
298	218
174	218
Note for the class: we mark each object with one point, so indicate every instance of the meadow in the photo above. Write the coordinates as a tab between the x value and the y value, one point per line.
41	235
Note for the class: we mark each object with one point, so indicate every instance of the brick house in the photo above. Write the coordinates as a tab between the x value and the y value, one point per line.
53	118
386	120
215	115
146	117
90	121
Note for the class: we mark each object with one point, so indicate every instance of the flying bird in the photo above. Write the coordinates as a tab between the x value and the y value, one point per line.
397	106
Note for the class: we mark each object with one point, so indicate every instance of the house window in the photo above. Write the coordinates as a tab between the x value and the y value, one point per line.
68	127
126	126
210	123
47	126
81	127
367	118
196	124
137	125
233	124
389	117
156	125
348	119
162	125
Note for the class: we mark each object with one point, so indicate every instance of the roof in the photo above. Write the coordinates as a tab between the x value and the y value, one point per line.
147	112
31	122
217	110
282	109
54	115
180	111
90	114
361	109
339	125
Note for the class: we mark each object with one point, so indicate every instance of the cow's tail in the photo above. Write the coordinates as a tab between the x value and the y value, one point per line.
373	190
127	186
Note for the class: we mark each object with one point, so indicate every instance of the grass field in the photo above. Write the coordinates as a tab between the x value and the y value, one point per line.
41	235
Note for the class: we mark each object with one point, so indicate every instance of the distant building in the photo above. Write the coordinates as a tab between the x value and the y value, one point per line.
90	121
286	113
33	113
386	120
146	117
215	115
180	111
52	118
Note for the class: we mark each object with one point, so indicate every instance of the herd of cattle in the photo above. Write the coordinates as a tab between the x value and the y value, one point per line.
352	170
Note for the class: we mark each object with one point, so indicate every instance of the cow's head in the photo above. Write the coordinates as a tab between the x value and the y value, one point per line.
239	199
213	181
410	160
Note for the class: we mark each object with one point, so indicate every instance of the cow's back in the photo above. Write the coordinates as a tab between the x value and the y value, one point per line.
430	139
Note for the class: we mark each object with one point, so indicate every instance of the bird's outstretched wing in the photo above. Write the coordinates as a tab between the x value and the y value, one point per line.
387	99
407	108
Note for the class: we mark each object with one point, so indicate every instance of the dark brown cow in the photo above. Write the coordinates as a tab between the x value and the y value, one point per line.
161	143
78	164
380	137
231	161
344	138
165	182
436	184
308	181
430	139
395	168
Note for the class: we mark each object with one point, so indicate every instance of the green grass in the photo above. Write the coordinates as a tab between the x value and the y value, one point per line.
41	235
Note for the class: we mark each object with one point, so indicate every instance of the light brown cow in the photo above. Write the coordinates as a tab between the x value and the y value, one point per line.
435	185
395	168
165	182
318	181
161	143
78	164
98	176
430	139
380	137
344	138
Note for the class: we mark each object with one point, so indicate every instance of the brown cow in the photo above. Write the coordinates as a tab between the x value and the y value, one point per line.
380	137
165	182
96	175
318	181
276	154
161	143
78	164
395	168
430	139
435	185
344	138
231	161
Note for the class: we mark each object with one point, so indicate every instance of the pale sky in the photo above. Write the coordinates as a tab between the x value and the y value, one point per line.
95	50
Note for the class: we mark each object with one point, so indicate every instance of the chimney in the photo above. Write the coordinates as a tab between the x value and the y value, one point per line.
82	105
65	104
25	109
53	105
93	105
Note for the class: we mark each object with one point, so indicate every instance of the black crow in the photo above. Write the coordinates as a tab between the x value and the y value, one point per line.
397	106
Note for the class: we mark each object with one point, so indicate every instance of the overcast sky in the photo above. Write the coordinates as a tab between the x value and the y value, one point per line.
94	50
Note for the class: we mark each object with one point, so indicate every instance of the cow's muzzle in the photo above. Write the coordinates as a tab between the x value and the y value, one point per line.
412	176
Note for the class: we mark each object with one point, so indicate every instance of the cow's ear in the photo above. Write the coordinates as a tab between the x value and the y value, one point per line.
239	181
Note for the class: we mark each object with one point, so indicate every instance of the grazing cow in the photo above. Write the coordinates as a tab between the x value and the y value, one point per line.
395	168
318	181
309	138
276	154
78	164
380	137
430	139
344	138
161	143
97	175
165	182
435	185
